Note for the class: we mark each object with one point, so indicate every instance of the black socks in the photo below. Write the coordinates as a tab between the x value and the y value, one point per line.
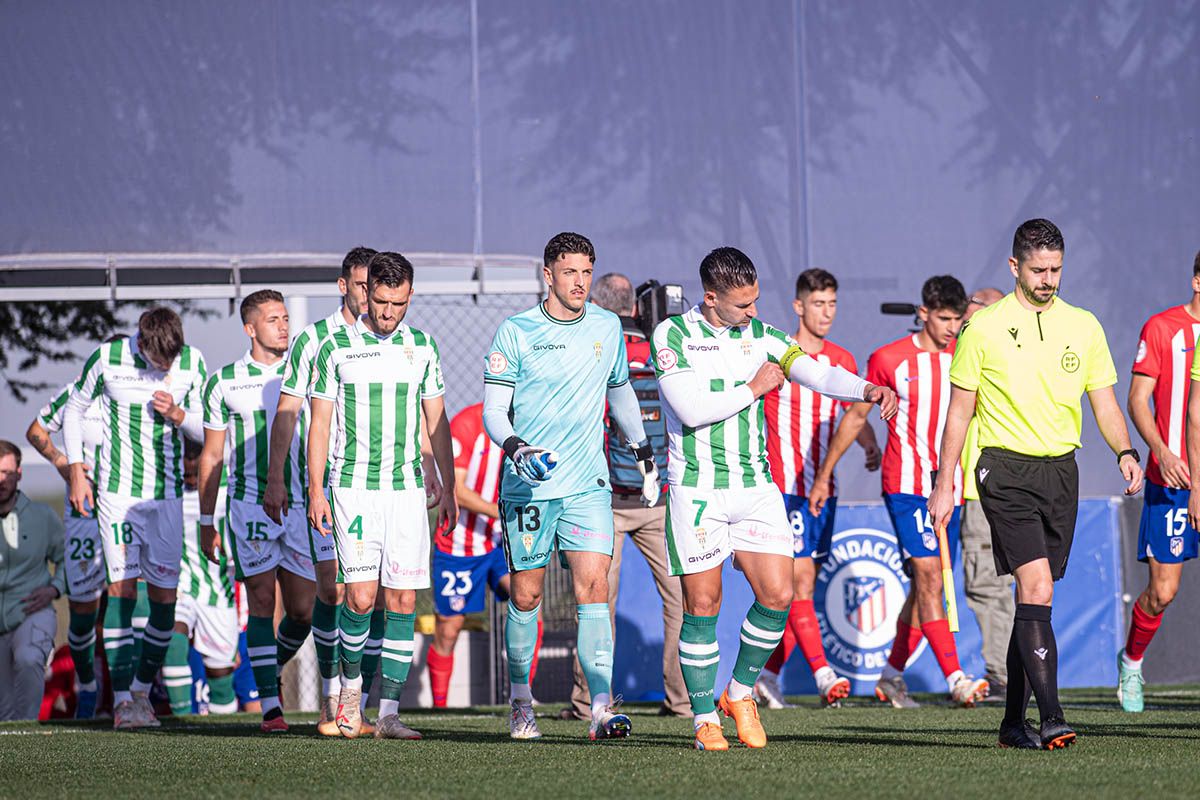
1032	664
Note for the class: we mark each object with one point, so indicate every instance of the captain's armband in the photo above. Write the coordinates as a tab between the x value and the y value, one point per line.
789	357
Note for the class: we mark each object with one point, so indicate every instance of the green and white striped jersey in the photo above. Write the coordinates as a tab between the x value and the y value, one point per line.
51	417
729	453
240	399
211	584
377	385
298	373
142	451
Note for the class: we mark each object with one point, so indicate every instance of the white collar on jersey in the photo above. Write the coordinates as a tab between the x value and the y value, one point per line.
248	359
694	315
360	327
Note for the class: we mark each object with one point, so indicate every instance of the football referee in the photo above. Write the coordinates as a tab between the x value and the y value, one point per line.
1021	367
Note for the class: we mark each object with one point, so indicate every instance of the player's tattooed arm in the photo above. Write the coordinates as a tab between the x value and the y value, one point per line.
39	437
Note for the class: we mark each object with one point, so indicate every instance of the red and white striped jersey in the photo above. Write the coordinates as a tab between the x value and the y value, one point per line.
1165	353
800	426
474	534
921	380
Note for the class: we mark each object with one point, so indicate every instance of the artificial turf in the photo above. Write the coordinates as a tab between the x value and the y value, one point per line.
863	750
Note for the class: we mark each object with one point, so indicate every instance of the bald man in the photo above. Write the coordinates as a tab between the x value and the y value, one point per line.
989	595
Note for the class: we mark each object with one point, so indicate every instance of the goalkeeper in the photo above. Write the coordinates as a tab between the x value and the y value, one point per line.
548	374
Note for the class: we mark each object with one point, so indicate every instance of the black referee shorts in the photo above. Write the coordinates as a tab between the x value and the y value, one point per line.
1030	504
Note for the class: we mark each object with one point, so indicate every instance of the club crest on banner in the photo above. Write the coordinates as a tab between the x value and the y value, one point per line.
859	592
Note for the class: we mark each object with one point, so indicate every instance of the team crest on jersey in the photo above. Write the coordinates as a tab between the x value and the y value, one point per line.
458	603
859	592
599	348
929	540
1070	362
527	542
701	536
497	363
408	353
666	359
747	346
1176	546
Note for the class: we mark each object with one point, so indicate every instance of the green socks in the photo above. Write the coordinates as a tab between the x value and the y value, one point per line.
177	675
353	630
699	657
761	632
81	638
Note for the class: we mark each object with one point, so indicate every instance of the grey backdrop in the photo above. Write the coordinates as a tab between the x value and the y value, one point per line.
886	140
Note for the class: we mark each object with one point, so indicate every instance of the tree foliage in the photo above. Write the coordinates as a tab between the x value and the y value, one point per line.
35	333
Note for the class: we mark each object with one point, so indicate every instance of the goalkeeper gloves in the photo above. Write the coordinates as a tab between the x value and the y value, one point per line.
532	464
651	488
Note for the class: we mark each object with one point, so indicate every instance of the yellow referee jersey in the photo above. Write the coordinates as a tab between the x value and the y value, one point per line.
1029	370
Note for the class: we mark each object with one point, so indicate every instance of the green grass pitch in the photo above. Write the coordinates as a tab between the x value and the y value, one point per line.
861	751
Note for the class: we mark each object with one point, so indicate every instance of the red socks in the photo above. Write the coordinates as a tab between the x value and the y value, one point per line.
941	640
907	639
782	652
1141	630
802	622
537	648
440	668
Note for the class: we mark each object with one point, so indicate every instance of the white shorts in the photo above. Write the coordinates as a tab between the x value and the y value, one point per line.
84	561
320	548
212	629
142	538
259	545
706	526
382	534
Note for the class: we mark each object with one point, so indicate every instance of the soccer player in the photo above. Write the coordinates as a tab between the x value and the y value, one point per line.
551	368
917	368
800	426
1021	367
149	389
714	364
379	376
84	563
206	616
467	558
293	397
1162	373
239	398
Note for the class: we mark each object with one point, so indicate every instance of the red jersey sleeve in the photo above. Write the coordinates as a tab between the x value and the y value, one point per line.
1148	360
464	430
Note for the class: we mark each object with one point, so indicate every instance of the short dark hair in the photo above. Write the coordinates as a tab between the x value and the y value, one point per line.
160	334
252	301
727	268
1196	265
1036	234
390	269
7	448
944	291
358	257
815	280
565	243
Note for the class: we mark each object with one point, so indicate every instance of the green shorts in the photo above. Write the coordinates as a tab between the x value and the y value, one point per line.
533	529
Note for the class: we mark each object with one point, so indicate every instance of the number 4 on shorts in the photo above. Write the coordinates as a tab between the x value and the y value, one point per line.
356	527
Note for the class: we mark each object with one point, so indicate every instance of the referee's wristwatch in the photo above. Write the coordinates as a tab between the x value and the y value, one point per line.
1129	452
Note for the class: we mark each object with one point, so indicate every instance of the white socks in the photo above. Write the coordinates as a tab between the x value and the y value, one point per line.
738	691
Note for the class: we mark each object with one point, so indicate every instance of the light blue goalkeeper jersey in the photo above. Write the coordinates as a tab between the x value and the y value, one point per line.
560	373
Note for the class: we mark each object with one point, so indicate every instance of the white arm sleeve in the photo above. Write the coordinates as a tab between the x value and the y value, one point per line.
72	427
623	407
831	381
193	425
695	405
497	400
